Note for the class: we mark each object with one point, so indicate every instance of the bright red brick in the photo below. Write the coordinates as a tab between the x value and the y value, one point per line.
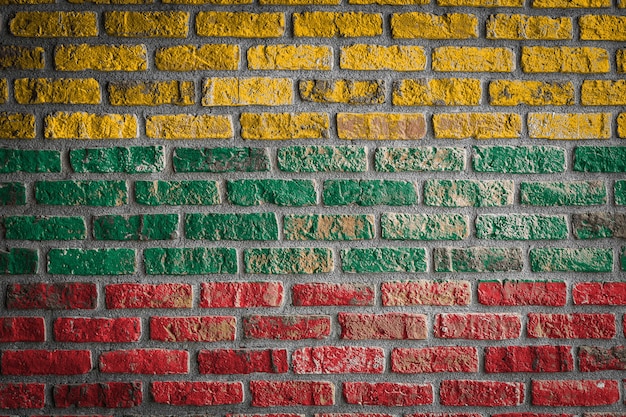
481	393
277	393
531	415
571	326
148	295
197	393
387	394
193	329
423	292
97	329
145	361
46	362
14	396
57	296
522	293
592	358
22	329
529	359
443	415
286	327
241	294
352	415
434	359
106	394
329	294
242	361
265	415
478	326
338	360
382	326
600	293
574	393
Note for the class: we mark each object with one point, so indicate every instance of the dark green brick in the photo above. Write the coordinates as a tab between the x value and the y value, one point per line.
288	260
570	193
397	226
619	191
131	160
77	193
468	193
31	161
329	227
91	261
322	159
571	260
599	225
521	227
419	159
18	261
190	261
518	159
221	160
477	259
270	191
45	228
177	193
383	260
369	193
137	227
253	226
623	258
600	158
12	194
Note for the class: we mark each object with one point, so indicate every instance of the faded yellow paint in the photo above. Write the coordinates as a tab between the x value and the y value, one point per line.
522	27
570	4
343	91
260	91
82	125
17	126
381	126
569	126
477	125
4	90
189	126
21	57
54	24
60	90
279	126
532	93
437	92
152	93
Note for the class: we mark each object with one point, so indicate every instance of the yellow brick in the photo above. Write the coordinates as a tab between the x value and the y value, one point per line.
290	57
565	59
569	126
240	24
437	92
343	91
58	91
522	27
620	57
477	125
603	93
100	57
54	24
570	4
17	126
147	24
4	90
471	59
259	91
280	126
378	57
194	58
6	2
21	57
111	1
220	2
390	2
330	24
381	126
429	26
189	126
481	3
532	93
602	28
299	2
621	125
81	125
152	93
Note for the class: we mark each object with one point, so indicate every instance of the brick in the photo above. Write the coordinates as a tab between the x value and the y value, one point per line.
468	193
106	394
523	27
571	326
338	360
54	24
322	159
602	27
619	193
574	393
532	93
571	260
592	359
369	193
193	329
18	261
290	393
214	226
481	3
621	125
46	362
189	126
386	259
241	294
44	228
130	160
571	193
197	58
434	360
75	261
20	395
477	259
522	293
145	361
148	296
22	329
620	57
575	4
580	60
240	24
151	93
52	296
242	361
15	57
342	91
388	394
4	90
336	24
599	293
220	2
197	393
221	160
388	326
332	294
352	414
437	92
603	93
288	260
100	57
478	326
397	226
56	91
292	327
569	126
328	227
416	25
17	126
472	59
481	393
81	193
146	24
419	159
289	193
521	227
138	227
299	2
82	125
283	126
365	57
97	329
529	359
190	261
177	193
290	57
381	126
254	91
424	292
477	125
12	194
518	159
600	159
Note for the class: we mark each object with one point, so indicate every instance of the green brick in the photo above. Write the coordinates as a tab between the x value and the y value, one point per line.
92	261
468	193
369	193
18	261
600	158
221	160
45	228
253	226
190	261
419	159
132	160
81	193
177	193
622	258
383	260
599	225
397	226
322	159
571	193
477	259
521	227
619	191
518	159
270	191
137	227
12	194
31	161
328	227
571	260
288	260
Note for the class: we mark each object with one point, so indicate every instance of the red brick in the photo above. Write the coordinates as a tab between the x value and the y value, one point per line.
22	396
197	393
277	393
529	359
382	326
434	359
193	329
387	394
328	294
522	293
286	327
423	292
600	293
106	394
22	329
145	361
338	360
604	414
481	393
242	361
352	415
478	326
574	393
58	296
592	358
266	415
531	415
46	362
97	329
241	294
148	295
443	415
571	326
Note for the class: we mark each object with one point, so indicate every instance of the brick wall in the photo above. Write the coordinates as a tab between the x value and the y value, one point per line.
321	208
